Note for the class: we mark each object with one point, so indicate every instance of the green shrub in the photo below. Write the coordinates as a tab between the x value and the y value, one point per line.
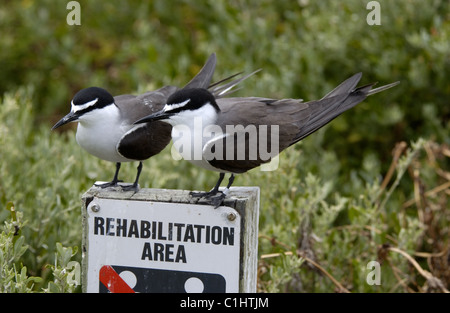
338	200
14	277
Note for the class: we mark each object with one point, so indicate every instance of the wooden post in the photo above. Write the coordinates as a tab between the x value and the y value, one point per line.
131	240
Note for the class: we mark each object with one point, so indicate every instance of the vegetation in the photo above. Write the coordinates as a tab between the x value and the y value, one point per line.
371	186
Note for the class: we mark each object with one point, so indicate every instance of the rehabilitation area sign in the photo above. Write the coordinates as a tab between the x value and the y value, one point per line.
133	245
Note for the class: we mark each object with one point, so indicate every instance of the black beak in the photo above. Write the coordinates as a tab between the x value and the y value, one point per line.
71	117
161	115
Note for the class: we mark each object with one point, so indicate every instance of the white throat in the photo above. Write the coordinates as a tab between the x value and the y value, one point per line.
206	113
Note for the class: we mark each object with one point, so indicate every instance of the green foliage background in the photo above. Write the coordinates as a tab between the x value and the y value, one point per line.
326	202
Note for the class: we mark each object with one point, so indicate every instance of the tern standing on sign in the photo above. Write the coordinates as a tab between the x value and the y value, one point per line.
290	119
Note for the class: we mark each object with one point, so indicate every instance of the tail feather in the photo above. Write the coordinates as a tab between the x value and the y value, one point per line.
342	98
203	78
322	112
346	86
224	80
220	91
382	88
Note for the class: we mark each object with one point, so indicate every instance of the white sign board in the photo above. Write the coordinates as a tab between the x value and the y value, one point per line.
140	246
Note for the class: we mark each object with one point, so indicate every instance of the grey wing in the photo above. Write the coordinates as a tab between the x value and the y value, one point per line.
257	130
133	108
268	127
292	119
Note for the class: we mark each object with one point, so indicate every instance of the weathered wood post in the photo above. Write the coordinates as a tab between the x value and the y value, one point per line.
159	240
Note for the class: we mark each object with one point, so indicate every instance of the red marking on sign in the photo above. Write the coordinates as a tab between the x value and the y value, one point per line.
113	281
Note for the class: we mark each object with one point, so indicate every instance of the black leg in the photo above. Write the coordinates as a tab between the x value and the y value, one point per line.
115	180
215	197
135	184
213	191
230	181
217	200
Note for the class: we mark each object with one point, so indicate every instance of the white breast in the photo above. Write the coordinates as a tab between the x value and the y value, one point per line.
188	135
100	131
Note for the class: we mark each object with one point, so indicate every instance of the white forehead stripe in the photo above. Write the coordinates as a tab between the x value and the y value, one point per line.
173	106
76	108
